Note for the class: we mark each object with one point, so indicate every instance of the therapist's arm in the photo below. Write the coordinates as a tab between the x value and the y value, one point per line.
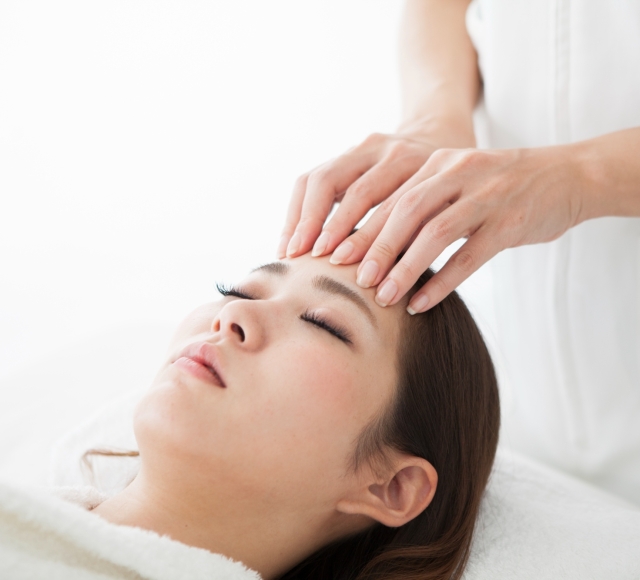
439	72
497	199
440	82
612	167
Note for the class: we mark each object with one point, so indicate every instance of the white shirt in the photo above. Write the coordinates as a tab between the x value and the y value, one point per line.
567	312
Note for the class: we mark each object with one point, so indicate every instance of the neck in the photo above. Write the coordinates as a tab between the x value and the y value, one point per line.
270	541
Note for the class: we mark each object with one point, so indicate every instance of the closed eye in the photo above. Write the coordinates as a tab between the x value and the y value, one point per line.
232	291
337	331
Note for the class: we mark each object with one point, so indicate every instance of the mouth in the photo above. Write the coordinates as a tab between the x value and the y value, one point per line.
200	360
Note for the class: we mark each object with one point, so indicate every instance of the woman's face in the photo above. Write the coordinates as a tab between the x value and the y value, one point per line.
307	360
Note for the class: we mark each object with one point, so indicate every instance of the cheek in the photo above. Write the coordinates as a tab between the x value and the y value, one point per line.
332	391
311	406
287	426
285	433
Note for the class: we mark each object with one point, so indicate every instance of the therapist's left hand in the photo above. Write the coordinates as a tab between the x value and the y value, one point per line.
497	199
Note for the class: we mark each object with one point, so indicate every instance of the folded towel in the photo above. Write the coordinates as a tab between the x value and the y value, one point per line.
42	536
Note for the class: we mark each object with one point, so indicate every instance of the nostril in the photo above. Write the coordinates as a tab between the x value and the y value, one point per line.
238	330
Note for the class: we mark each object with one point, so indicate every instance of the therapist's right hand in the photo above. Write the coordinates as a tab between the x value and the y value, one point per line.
359	180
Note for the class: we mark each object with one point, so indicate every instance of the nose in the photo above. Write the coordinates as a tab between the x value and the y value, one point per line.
240	322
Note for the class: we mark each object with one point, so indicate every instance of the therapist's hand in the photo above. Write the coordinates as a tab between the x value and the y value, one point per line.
496	199
360	179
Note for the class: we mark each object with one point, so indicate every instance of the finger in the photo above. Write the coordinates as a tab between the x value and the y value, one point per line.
474	253
323	187
436	163
356	246
405	218
423	223
374	186
293	215
451	225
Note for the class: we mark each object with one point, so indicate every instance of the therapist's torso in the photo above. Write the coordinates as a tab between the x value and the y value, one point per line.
567	312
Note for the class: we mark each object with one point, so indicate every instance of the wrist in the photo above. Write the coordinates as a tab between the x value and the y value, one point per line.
444	130
592	181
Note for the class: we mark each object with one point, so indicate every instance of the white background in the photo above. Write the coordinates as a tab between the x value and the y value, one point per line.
148	149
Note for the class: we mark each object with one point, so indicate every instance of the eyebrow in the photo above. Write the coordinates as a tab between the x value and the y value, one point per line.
332	286
278	268
325	284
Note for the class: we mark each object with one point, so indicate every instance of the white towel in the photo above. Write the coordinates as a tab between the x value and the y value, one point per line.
538	523
535	523
45	537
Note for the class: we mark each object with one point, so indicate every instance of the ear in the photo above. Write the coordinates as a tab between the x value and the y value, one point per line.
397	498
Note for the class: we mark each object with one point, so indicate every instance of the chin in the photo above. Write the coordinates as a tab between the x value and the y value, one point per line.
166	418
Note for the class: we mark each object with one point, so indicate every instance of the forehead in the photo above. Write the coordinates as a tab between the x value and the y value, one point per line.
299	275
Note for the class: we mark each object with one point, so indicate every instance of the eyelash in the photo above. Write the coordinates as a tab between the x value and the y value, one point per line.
232	291
337	331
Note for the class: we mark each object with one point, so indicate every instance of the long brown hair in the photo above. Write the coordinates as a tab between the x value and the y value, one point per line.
447	411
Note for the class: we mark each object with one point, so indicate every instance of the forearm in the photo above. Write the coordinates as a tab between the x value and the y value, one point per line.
439	71
610	165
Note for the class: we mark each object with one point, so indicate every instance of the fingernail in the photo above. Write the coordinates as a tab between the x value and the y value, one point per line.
367	274
386	293
282	247
294	244
418	304
321	244
342	253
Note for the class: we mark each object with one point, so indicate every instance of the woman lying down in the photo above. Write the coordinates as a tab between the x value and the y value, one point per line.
296	428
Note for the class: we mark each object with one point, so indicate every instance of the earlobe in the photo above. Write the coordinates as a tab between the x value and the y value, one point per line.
398	499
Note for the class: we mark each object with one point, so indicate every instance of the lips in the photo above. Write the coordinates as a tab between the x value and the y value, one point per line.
200	360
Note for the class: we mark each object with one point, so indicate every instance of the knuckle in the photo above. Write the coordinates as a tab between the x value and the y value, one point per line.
301	182
310	221
470	159
388	204
358	190
385	249
405	270
465	261
374	139
398	150
409	203
363	238
439	286
440	229
320	177
439	156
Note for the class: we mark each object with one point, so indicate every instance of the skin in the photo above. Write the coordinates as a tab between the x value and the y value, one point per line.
260	470
432	188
